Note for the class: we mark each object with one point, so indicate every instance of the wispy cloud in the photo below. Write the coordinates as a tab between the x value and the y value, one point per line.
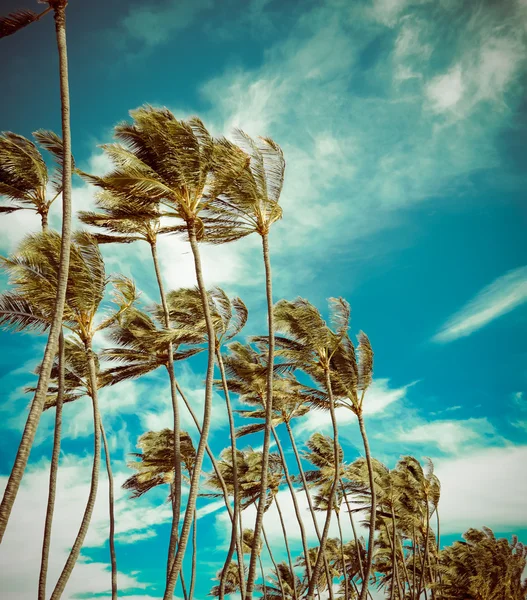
500	297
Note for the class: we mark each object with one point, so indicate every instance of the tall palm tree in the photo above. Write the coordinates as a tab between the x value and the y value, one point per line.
286	585
250	204
9	25
310	345
176	164
34	271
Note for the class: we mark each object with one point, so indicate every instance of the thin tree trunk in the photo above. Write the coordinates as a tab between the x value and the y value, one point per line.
39	399
295	502
194	555
44	221
287	549
176	501
331	499
83	530
268	417
263	576
439	550
422	581
395	575
236	488
342	557
55	455
414	548
183	586
371	538
207	409
279	577
239	549
309	501
111	503
356	539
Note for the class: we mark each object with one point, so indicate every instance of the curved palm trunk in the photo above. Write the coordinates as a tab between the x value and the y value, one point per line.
52	474
236	489
268	416
194	556
200	453
39	399
176	499
310	503
83	530
331	499
371	537
352	522
342	557
224	490
287	549
279	577
111	538
295	502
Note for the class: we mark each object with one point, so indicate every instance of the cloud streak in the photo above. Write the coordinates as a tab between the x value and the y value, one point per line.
498	298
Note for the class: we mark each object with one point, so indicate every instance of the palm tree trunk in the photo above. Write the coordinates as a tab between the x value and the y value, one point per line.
352	522
295	502
342	557
268	416
395	574
111	503
236	488
371	538
39	399
83	530
310	503
239	550
331	499
422	581
439	549
263	577
44	220
52	474
194	556
176	500
183	586
207	409
287	549
280	582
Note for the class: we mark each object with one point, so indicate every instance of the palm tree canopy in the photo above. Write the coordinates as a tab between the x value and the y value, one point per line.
156	460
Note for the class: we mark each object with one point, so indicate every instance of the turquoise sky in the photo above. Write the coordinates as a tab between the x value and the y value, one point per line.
403	126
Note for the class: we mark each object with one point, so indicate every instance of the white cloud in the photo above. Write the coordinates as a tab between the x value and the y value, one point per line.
448	436
20	554
378	397
445	91
486	487
498	298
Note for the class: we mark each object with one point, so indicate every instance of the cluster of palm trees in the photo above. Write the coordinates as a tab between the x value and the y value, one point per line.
171	177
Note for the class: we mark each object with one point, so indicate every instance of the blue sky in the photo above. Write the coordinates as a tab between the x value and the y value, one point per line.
403	125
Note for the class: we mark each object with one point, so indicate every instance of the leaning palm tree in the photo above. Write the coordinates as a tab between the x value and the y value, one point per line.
250	204
285	584
34	272
8	26
176	164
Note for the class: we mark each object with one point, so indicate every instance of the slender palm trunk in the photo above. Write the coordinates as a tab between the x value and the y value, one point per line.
83	530
331	499
183	586
310	503
39	399
342	557
236	489
371	538
263	577
176	500
414	549
395	574
239	549
111	503
439	550
352	522
200	453
280	582
422	581
52	474
268	416
287	549
294	499
194	555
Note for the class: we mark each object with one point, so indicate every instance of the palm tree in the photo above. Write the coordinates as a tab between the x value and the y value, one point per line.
178	165
34	271
9	25
286	585
250	204
483	568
